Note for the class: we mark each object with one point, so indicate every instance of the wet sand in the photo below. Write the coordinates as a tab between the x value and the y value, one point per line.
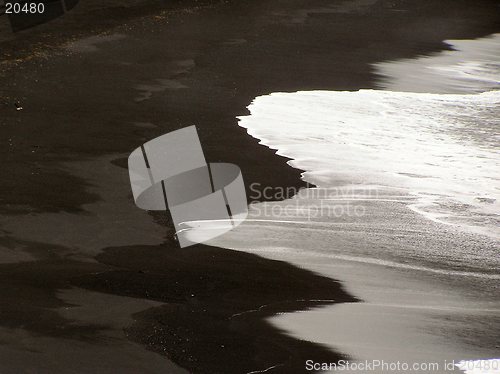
68	219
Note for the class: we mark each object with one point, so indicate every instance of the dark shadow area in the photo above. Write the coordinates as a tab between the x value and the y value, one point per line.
29	291
217	302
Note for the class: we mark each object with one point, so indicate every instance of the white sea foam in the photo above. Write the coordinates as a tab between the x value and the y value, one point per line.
443	148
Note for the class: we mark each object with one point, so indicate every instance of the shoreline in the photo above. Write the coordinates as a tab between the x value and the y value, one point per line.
407	314
221	64
215	305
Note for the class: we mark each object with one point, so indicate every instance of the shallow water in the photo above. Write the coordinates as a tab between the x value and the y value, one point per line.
469	66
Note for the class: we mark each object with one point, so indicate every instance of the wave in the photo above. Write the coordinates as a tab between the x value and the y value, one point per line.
444	149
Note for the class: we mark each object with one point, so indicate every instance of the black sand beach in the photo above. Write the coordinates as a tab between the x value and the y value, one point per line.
68	218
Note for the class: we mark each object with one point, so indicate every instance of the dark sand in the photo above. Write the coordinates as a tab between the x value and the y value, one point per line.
102	97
